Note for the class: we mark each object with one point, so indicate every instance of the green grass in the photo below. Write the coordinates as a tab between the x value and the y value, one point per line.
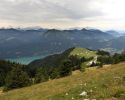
106	83
103	86
83	52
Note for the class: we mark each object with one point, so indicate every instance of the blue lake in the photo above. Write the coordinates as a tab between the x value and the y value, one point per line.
25	60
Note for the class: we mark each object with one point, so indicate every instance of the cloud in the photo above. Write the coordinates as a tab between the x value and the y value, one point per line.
38	11
63	13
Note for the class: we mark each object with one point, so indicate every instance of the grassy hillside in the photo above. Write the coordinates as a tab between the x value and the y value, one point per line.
106	83
83	52
57	59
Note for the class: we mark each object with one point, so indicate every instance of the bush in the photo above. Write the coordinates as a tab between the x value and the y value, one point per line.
65	69
105	59
55	74
41	75
75	62
2	77
17	78
103	53
83	67
119	94
100	65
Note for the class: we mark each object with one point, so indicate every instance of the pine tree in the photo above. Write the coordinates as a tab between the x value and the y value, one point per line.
55	73
41	75
17	78
66	68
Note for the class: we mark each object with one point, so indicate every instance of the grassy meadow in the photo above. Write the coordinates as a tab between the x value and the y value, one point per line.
107	83
83	52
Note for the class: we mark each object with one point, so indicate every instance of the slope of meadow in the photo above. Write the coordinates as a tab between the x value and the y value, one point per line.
57	59
83	52
107	83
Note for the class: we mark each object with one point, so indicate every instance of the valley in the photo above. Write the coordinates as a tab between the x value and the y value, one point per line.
33	43
62	50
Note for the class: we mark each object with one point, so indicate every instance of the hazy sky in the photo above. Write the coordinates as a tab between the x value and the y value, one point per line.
104	14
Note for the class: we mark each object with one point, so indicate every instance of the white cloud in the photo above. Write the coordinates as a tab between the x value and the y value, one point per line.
61	13
50	10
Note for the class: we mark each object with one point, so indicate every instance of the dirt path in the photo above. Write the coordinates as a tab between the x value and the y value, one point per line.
1	92
107	65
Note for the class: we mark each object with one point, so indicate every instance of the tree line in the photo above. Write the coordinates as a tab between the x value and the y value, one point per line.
13	75
106	58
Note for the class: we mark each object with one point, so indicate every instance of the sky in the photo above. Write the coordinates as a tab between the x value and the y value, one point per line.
102	14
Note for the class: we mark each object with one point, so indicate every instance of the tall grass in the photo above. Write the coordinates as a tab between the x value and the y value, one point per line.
106	83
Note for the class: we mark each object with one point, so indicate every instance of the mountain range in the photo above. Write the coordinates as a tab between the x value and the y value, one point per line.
33	42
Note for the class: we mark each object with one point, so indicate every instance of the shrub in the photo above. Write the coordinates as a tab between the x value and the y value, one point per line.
119	93
54	74
65	69
17	78
41	75
83	67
